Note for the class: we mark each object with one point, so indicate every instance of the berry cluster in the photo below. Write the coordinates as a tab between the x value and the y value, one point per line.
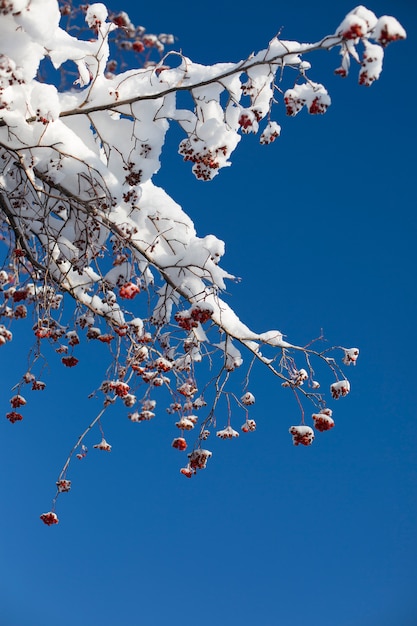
340	389
249	426
103	445
49	518
141	416
248	399
297	378
69	361
186	423
63	485
311	95
118	387
206	160
302	435
248	122
227	433
198	314
179	443
5	335
17	401
270	133
129	290
198	459
350	356
13	417
323	421
353	30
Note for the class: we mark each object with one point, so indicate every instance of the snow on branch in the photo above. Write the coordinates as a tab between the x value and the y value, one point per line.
81	215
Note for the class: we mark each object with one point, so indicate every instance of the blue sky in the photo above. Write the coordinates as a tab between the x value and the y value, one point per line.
321	228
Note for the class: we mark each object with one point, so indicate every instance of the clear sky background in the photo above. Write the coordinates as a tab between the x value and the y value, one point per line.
321	227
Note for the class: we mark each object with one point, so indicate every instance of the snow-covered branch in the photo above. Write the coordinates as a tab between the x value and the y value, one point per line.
82	216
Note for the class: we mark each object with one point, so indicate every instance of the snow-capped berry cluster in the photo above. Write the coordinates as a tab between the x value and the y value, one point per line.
353	27
207	160
270	133
248	399
388	29
302	435
297	378
371	64
73	338
227	433
179	443
17	401
96	15
186	422
10	75
129	400
103	445
311	95
350	356
63	485
129	290
188	388
249	426
323	421
141	416
49	518
118	387
82	453
5	335
248	121
340	389
4	276
38	385
362	25
198	459
191	318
